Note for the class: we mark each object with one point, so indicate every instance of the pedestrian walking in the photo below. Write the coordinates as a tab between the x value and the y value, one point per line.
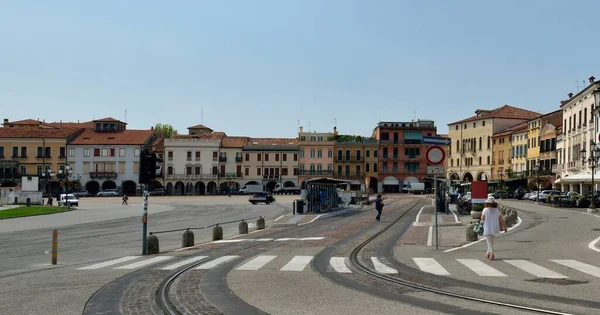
125	198
379	207
493	223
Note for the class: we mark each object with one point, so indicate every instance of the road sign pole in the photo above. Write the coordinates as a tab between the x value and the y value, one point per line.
144	221
435	209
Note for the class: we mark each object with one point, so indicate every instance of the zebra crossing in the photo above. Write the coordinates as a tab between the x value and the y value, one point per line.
288	263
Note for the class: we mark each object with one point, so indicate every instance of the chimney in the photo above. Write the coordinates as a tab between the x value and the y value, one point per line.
562	102
301	129
570	95
592	79
6	120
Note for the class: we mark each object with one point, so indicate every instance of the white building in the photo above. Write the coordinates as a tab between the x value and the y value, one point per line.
579	129
231	174
192	162
107	157
271	161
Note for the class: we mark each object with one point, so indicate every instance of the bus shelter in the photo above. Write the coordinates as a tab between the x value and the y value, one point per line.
321	194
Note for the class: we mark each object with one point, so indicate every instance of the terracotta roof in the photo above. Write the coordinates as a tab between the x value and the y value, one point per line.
234	142
122	137
25	122
209	135
510	130
273	141
158	145
506	111
198	127
58	124
33	132
109	119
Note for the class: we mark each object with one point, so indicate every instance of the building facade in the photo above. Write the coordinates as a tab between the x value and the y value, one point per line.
372	183
501	150
315	154
271	161
518	160
402	153
471	141
350	160
231	159
107	157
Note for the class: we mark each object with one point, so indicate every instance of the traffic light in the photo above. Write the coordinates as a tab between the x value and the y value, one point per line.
147	167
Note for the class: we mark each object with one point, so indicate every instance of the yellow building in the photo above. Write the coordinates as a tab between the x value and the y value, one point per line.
502	151
349	156
534	130
35	152
371	164
518	161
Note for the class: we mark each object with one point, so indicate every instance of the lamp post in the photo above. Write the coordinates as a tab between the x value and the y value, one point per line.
66	174
46	175
592	161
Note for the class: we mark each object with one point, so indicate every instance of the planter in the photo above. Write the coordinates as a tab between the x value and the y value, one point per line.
476	214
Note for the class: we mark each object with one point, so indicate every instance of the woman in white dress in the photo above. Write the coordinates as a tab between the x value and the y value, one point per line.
492	222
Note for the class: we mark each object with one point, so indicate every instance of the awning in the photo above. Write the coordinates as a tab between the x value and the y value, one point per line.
391	180
577	178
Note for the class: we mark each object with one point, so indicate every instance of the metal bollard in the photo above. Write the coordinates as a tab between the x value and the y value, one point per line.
243	227
152	245
294	207
187	239
54	246
28	202
260	223
217	233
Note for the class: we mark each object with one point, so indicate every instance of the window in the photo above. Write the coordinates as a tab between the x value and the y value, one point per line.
465	126
347	155
247	171
24	152
2	152
112	152
266	156
312	153
330	153
198	170
48	152
188	170
368	154
122	152
96	152
86	152
357	170
367	166
215	156
215	170
189	155
258	157
488	160
340	155
385	153
170	170
480	145
258	170
474	124
170	155
483	123
277	157
302	153
39	170
23	169
385	136
320	153
488	143
295	156
347	170
375	167
296	171
104	152
358	155
62	152
16	152
480	161
339	170
284	157
456	127
136	152
247	157
375	154
284	171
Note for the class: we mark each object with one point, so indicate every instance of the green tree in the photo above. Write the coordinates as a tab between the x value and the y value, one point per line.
165	130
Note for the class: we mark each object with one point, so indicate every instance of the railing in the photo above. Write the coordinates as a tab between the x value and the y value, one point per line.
316	172
574	165
222	159
207	226
351	160
94	175
239	159
192	176
230	175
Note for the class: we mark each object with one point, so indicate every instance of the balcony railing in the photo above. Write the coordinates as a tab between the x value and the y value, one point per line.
574	165
351	160
99	175
316	172
192	176
230	175
239	159
222	159
271	177
556	168
349	175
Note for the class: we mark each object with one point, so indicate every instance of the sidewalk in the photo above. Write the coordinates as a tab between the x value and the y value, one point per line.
451	229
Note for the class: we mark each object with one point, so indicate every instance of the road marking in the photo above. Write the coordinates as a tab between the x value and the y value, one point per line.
534	269
579	266
230	241
382	268
430	236
109	263
146	262
283	239
430	265
339	264
216	262
297	263
592	245
256	263
318	238
418	215
183	263
264	239
481	268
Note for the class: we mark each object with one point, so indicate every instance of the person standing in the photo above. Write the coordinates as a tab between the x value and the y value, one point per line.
492	223
125	198
379	207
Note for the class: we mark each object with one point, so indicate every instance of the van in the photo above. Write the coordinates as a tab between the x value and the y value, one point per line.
66	199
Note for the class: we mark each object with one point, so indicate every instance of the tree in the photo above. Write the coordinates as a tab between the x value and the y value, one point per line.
165	130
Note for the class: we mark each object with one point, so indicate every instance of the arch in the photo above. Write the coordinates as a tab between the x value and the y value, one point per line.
391	184
179	188
373	184
545	183
93	187
271	186
129	188
169	188
467	177
211	188
375	166
252	182
200	188
189	188
154	184
289	184
481	176
109	184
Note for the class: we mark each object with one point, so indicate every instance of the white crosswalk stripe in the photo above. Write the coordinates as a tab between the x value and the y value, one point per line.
339	264
256	263
183	263
430	265
481	268
298	263
381	267
109	263
534	269
579	266
146	262
214	263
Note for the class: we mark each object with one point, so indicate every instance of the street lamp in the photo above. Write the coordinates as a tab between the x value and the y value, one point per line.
592	161
65	174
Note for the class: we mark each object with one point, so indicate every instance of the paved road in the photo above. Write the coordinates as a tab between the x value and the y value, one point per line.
101	229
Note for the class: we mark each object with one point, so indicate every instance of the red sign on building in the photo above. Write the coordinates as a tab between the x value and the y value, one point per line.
479	191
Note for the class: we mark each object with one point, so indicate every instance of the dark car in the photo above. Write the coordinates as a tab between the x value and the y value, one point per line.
499	194
157	192
261	197
520	193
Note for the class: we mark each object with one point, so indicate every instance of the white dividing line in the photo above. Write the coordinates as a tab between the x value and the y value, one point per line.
183	263
481	268
284	239
430	236
519	221
146	262
454	214
109	263
279	218
264	239
297	263
216	262
536	270
230	241
381	267
339	264
318	238
418	215
256	263
592	245
579	266
430	265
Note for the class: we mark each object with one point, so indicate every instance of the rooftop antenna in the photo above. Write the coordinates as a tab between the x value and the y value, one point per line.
335	122
582	85
202	115
309	126
414	115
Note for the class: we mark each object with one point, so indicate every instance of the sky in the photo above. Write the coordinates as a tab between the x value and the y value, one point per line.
262	68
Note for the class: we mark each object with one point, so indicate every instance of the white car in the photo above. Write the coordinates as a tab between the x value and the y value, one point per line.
533	196
66	199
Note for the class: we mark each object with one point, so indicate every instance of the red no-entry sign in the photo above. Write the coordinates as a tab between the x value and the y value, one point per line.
435	155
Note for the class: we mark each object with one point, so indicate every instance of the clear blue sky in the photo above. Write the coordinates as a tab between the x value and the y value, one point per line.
257	67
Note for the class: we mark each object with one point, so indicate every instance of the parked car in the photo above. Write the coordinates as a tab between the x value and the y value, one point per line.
81	193
157	192
498	194
108	193
261	197
65	199
545	193
533	195
520	193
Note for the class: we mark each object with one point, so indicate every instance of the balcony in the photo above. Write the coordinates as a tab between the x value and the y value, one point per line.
103	175
349	175
267	178
574	165
557	168
239	159
215	159
316	172
351	160
192	177
222	159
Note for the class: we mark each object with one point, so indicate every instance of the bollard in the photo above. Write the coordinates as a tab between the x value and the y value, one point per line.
507	220
471	235
243	227
502	211
260	224
514	211
187	239
513	217
16	200
28	202
294	207
152	245
217	233
54	246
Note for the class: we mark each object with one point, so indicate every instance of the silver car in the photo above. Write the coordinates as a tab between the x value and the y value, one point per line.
108	193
